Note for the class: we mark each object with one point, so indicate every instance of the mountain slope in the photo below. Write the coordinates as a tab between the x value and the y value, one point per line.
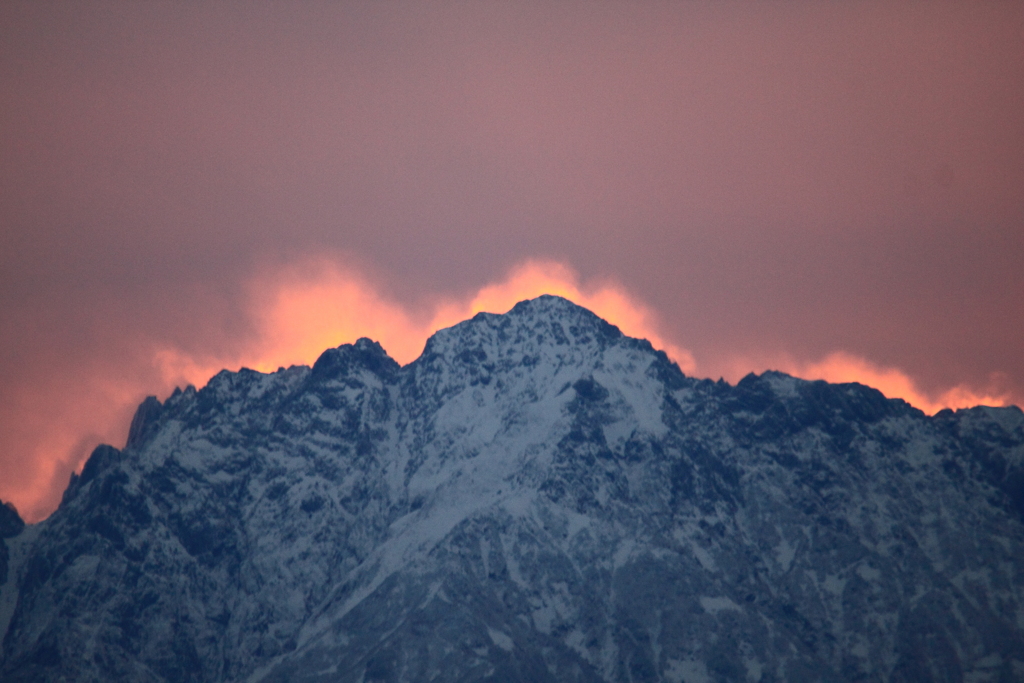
537	497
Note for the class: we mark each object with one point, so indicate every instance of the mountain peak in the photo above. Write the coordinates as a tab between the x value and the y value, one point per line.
364	353
536	498
545	320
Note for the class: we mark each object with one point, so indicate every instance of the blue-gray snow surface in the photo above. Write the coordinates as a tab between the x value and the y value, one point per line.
536	498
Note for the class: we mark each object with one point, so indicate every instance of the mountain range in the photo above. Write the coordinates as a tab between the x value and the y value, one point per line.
537	497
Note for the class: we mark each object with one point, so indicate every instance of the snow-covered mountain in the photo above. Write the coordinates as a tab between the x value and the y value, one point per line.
536	498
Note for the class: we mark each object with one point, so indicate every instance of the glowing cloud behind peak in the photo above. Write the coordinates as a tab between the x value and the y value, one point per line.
304	310
296	313
894	383
842	367
606	299
331	306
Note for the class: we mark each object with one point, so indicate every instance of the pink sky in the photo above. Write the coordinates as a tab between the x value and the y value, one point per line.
834	190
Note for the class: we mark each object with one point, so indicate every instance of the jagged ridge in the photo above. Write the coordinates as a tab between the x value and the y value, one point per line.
537	497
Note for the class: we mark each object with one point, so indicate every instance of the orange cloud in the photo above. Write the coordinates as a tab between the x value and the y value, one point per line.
305	312
300	312
894	383
53	426
547	277
841	366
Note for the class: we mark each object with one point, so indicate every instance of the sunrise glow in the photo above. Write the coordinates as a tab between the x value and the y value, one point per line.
893	382
301	312
326	305
329	306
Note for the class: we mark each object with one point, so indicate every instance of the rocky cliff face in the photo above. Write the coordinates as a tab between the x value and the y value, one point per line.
536	498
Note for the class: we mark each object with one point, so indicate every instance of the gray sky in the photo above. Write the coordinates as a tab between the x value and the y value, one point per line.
791	185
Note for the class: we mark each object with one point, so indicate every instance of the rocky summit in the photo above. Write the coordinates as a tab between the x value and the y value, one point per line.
536	498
